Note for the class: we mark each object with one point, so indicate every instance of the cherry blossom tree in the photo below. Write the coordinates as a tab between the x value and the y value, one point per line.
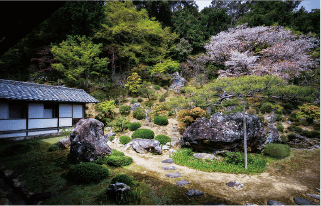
261	50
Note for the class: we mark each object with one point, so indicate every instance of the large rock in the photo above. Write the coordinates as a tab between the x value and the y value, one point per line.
118	189
134	106
64	143
178	81
302	201
225	132
146	145
88	142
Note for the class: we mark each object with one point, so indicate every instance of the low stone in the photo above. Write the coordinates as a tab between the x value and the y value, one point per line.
118	189
173	175
273	202
302	201
172	151
170	161
120	145
289	122
318	190
177	81
108	128
168	144
314	196
110	134
146	145
109	143
135	106
127	146
18	183
234	184
114	140
270	118
64	143
169	168
182	183
205	156
88	141
194	193
165	147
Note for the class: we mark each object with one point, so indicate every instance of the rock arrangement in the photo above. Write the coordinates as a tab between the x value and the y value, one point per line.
177	81
146	145
135	106
118	189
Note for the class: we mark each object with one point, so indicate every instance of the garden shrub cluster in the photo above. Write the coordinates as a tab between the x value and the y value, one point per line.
280	128
118	161
163	139
124	139
310	112
125	110
186	117
268	107
134	126
292	136
139	114
123	179
143	134
284	139
277	150
160	109
87	172
159	120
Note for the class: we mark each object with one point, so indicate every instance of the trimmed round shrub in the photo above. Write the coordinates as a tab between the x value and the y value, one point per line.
277	150
123	179
266	108
298	129
284	138
111	138
163	139
291	128
87	172
157	87
159	120
143	134
293	115
134	126
15	149
101	160
280	128
291	119
137	114
118	161
292	136
140	100
125	109
116	153
278	118
311	134
124	139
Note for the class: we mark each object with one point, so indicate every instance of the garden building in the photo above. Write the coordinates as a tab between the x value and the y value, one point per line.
29	109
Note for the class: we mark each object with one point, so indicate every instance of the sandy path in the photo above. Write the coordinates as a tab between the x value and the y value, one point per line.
258	189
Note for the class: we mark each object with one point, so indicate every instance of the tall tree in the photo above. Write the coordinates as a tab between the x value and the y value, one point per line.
79	62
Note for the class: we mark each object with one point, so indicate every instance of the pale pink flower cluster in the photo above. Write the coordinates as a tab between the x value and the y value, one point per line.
280	52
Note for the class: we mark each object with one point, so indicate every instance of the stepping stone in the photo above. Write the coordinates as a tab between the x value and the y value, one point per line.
302	201
194	193
182	183
170	161
273	202
233	184
173	175
314	196
169	168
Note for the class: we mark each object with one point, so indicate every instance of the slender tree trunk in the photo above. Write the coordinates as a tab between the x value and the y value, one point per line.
245	135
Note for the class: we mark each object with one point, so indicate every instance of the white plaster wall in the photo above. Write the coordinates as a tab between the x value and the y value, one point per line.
4	110
65	122
36	110
12	124
65	110
22	134
47	113
77	111
42	132
42	123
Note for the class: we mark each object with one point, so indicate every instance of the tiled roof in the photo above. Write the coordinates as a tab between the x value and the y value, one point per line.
16	90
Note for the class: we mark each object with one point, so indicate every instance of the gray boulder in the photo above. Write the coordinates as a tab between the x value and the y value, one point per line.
169	168
270	118
302	201
146	145
273	202
88	142
234	184
194	193
173	175
182	183
170	161
165	147
134	106
314	196
172	151
225	132
118	189
64	143
177	81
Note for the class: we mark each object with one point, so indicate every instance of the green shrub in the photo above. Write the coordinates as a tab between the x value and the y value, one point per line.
118	161
298	129
117	153
123	179
293	115
291	119
291	128
15	149
140	100
163	139
133	101
292	136
279	118
159	120
316	126
101	160
111	138
138	114
124	139
286	131
311	134
237	158
284	138
125	110
295	123
277	150
170	113
87	172
143	134
157	87
53	147
288	106
280	128
266	108
286	111
305	123
134	126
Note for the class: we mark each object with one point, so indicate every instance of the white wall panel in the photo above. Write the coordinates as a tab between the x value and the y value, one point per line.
65	110
12	124
77	111
63	122
4	110
36	110
22	134
42	123
42	132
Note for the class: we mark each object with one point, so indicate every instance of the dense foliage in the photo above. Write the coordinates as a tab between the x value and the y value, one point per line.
125	109
143	134
87	172
119	161
134	126
187	116
277	150
163	139
124	139
160	120
123	179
